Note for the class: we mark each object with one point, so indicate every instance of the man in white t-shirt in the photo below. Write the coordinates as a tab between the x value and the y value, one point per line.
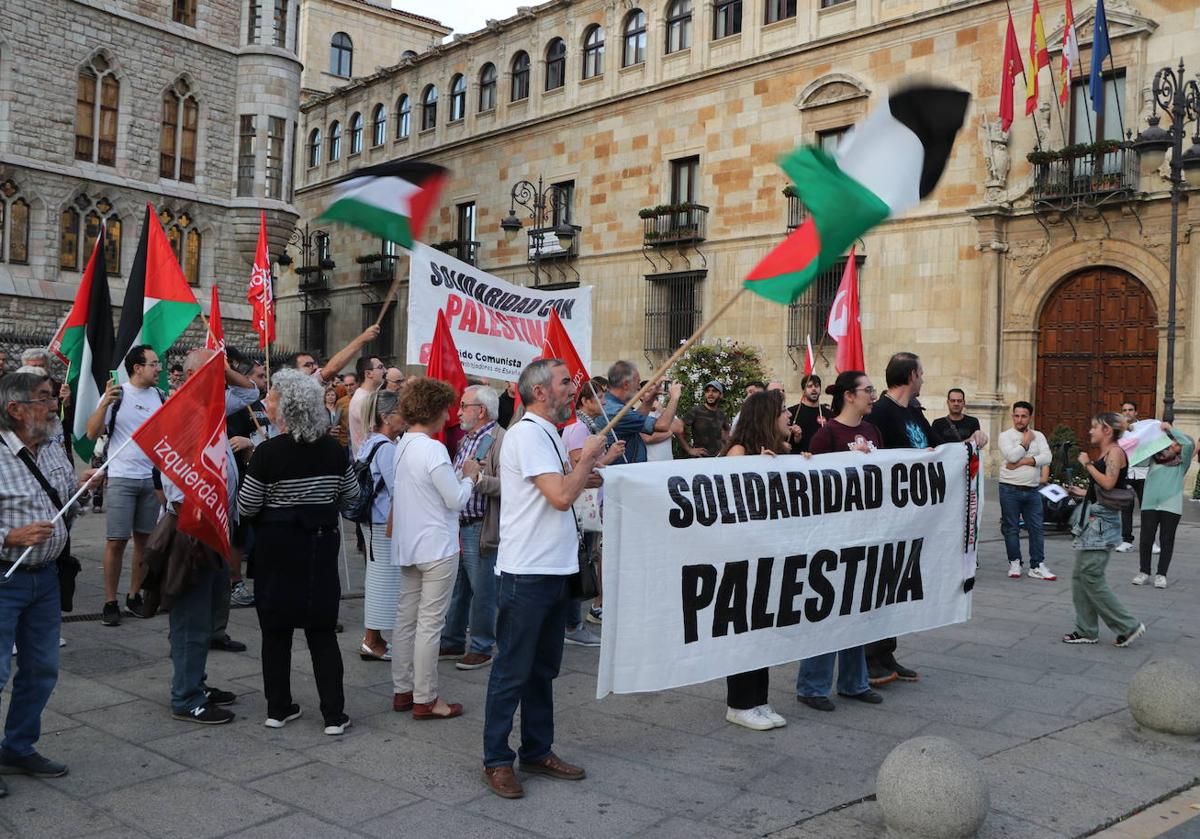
370	371
538	551
133	504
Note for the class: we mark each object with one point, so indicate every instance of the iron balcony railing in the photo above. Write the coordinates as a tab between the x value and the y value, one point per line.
1089	174
674	224
463	251
381	272
313	279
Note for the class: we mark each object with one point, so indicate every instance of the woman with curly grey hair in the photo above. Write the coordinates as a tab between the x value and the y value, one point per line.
293	488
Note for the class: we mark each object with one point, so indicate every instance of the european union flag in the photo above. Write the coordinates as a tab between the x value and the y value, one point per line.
1100	51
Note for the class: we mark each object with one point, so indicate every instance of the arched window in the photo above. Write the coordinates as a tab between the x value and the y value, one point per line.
429	108
487	87
593	51
341	55
458	97
177	135
407	54
185	241
14	224
79	225
520	76
335	141
379	125
679	25
96	110
403	117
634	46
556	64
727	18
314	148
356	131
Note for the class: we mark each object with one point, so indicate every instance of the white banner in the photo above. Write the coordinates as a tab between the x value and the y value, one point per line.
498	327
721	566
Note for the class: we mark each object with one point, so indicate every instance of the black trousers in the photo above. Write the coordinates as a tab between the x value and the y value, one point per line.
1127	515
747	690
1164	524
327	670
880	653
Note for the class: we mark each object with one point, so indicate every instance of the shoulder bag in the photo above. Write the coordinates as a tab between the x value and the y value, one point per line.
68	566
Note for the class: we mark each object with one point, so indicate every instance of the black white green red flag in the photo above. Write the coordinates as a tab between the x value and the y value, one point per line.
888	163
85	343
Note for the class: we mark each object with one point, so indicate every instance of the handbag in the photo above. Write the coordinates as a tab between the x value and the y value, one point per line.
1118	499
68	566
584	584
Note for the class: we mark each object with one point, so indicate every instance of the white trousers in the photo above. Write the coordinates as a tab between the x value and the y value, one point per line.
425	591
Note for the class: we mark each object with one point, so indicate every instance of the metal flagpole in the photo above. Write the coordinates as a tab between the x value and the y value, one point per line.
1037	135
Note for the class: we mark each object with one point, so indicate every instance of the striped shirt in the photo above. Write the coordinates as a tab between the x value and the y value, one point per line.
477	506
285	473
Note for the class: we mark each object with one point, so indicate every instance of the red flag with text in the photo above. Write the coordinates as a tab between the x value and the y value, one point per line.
262	301
185	440
216	333
445	365
844	324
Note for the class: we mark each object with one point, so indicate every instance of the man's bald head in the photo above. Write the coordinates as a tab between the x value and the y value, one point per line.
195	360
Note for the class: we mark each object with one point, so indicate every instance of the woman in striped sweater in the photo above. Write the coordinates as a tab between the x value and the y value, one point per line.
293	488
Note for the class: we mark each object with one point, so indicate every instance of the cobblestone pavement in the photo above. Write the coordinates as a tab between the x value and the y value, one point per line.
1061	753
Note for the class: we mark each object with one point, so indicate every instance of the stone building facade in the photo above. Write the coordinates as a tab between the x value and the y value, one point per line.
1014	280
342	39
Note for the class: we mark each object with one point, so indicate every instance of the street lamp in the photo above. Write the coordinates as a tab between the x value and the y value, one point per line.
1180	98
543	202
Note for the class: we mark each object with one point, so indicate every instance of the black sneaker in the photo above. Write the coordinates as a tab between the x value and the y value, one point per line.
902	672
817	703
869	696
135	606
878	675
34	765
3	788
216	696
111	616
206	714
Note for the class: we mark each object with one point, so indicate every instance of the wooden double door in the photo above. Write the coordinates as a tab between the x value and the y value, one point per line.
1097	346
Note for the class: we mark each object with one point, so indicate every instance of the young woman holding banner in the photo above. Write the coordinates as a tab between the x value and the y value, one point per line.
763	427
853	395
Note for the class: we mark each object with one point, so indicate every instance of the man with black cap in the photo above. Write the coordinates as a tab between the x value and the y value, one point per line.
707	424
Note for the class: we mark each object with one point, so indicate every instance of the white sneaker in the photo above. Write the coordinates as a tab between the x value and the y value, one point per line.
1156	549
1042	573
293	714
750	718
62	642
1014	569
1140	579
1124	547
769	712
581	636
1160	581
338	730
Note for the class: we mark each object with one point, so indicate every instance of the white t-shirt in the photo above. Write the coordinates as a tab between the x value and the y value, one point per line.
535	538
358	430
137	404
425	520
660	450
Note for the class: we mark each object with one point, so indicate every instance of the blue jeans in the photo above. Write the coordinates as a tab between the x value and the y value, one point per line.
529	638
30	618
474	600
192	618
816	674
1022	502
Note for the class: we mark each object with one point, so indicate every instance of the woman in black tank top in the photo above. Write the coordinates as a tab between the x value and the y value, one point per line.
1097	530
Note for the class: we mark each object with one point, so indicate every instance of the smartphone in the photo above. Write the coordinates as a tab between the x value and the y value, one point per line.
484	446
114	377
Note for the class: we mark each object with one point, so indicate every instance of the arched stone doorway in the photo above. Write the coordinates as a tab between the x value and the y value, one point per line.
1097	345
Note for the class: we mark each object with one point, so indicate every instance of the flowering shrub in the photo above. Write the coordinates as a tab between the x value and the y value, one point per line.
732	364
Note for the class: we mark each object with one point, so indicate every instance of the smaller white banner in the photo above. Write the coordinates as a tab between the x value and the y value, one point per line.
725	565
498	327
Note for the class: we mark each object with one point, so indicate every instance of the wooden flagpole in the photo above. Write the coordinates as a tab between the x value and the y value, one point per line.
387	301
675	356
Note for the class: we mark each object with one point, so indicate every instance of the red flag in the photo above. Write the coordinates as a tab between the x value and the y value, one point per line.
1008	77
844	326
216	333
558	345
185	439
810	360
444	364
262	301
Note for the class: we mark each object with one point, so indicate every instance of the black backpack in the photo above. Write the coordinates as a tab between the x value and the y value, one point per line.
359	510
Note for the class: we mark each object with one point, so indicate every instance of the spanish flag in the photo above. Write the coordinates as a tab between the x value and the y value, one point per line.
1039	57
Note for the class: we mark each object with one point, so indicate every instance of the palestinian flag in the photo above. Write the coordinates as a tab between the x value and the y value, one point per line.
391	200
85	344
885	165
159	304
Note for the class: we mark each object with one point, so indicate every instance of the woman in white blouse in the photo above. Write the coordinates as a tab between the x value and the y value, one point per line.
425	508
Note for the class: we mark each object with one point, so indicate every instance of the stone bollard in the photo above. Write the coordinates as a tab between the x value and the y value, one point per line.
1164	696
932	788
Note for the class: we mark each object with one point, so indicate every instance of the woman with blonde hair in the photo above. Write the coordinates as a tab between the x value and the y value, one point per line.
1097	528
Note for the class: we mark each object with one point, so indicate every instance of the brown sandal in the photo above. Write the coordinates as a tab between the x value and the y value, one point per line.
424	710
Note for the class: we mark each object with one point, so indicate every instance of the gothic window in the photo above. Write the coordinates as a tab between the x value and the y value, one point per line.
79	228
184	11
68	240
487	87
185	242
634	51
556	64
520	76
177	136
281	10
341	55
403	117
96	110
593	51
14	224
247	140
276	136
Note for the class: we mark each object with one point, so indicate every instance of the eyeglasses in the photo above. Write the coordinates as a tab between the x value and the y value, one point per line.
149	364
868	389
469	405
42	400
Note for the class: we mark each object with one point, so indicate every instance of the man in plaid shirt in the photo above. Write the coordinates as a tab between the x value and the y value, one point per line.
474	600
29	600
